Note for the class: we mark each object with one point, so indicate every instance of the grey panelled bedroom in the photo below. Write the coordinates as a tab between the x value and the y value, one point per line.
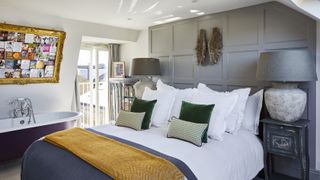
160	90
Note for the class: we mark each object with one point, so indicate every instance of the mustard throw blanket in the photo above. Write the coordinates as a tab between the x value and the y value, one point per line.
118	160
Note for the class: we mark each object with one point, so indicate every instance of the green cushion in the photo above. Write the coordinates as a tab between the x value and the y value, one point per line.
197	113
188	131
130	119
140	105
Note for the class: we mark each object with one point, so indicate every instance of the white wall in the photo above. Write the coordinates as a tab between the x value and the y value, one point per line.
318	100
131	50
55	97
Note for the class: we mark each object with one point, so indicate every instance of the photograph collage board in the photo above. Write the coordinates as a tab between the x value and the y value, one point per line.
24	55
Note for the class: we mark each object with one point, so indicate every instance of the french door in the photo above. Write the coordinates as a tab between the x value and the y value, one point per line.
93	85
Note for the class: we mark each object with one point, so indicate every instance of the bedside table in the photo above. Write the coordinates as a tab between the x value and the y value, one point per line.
287	139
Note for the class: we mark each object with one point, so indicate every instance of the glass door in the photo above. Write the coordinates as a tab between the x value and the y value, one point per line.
93	86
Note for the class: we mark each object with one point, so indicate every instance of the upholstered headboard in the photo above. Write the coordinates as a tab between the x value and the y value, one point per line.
246	32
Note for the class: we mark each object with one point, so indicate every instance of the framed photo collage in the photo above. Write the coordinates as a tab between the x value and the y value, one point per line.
29	55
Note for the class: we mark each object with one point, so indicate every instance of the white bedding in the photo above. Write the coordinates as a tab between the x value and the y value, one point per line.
237	157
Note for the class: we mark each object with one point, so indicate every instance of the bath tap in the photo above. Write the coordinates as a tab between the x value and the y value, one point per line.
23	108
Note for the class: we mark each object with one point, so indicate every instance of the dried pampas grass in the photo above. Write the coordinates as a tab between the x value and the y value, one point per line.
201	48
215	46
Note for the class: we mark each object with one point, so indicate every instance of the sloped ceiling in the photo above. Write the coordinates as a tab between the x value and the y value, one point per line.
139	14
308	7
134	14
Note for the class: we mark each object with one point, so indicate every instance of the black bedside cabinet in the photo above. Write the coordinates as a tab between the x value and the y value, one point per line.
287	139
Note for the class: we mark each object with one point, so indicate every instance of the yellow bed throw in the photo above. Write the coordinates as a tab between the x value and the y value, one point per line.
116	159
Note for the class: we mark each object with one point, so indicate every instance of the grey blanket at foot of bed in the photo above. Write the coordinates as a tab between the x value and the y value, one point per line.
44	161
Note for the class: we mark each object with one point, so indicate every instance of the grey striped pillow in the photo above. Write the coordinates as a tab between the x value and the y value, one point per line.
188	131
130	119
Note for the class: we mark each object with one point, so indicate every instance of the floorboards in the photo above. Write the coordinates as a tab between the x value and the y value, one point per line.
10	170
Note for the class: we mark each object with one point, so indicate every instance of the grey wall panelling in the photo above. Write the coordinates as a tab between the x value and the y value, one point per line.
246	33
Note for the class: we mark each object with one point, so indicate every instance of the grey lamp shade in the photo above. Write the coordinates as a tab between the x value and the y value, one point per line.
145	67
286	66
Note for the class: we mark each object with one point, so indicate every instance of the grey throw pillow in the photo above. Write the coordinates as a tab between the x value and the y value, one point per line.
187	131
130	119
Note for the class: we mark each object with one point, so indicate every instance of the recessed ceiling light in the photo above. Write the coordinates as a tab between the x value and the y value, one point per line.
172	19
194	11
200	13
179	6
167	20
165	17
158	22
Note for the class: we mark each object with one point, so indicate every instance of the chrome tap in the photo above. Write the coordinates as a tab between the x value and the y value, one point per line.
23	108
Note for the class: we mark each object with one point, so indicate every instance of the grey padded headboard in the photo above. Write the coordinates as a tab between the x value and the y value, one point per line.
246	33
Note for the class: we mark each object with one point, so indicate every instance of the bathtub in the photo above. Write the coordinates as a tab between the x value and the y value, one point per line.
16	134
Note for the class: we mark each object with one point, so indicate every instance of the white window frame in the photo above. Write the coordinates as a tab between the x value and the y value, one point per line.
94	56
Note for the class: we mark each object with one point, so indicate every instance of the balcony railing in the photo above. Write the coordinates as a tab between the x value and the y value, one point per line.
95	109
121	95
91	114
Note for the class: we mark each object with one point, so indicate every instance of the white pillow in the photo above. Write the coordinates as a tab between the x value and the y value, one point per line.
162	109
224	104
252	112
235	118
181	95
162	86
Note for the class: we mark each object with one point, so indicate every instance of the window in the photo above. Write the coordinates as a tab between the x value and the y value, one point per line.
93	86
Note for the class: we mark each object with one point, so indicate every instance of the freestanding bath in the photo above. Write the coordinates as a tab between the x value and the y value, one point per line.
16	134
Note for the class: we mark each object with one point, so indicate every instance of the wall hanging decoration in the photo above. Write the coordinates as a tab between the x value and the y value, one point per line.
201	48
29	55
215	46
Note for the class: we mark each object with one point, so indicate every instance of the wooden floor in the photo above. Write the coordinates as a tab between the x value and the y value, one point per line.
10	170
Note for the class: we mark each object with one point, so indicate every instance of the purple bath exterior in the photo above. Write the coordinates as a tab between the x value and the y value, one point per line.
16	134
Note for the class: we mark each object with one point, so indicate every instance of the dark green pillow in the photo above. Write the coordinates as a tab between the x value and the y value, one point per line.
140	105
197	113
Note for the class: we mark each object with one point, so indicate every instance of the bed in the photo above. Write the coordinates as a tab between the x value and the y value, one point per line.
238	157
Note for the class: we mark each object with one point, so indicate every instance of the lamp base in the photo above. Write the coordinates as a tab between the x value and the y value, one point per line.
285	101
141	85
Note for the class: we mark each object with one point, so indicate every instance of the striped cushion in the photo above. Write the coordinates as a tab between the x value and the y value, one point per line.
130	119
188	131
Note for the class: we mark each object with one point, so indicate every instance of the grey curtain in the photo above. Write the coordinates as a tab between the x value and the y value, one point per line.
114	56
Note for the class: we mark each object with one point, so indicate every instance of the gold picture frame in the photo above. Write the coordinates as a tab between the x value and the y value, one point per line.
39	58
118	69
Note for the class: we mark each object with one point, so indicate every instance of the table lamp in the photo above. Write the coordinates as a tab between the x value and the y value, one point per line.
285	69
145	68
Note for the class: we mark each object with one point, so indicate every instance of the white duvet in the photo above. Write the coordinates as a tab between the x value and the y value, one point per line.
237	157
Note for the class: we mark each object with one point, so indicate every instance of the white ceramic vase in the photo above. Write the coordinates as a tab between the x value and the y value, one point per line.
141	85
285	102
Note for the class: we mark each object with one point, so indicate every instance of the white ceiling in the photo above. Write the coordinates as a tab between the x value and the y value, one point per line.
134	14
309	7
